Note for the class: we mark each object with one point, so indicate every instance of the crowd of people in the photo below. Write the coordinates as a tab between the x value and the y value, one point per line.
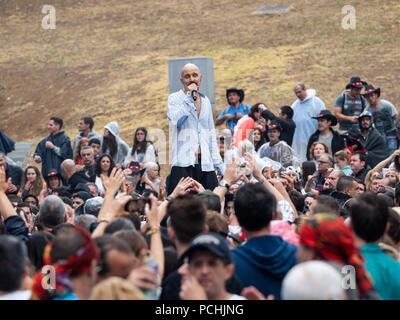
271	207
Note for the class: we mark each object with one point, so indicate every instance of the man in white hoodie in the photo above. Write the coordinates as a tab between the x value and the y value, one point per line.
305	108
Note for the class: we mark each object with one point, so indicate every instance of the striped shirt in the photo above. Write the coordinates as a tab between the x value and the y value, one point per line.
188	132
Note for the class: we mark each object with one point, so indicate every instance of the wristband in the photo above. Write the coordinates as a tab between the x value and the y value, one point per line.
225	184
152	231
103	220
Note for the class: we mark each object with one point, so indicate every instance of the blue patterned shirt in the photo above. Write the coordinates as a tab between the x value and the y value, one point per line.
243	109
188	132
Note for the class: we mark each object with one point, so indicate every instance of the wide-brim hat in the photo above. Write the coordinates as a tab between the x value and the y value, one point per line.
240	93
370	89
356	83
327	115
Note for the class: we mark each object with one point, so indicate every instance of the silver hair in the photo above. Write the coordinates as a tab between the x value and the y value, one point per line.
313	280
149	165
330	158
87	148
52	211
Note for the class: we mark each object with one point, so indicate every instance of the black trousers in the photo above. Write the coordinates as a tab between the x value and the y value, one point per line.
207	178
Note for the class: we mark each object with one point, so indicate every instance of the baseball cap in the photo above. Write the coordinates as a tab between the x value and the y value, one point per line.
274	125
212	242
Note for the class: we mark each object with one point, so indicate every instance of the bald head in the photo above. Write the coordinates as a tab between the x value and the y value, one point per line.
190	73
189	66
68	168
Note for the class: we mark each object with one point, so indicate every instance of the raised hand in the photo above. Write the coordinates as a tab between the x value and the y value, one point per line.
289	180
144	278
163	191
28	185
4	184
113	182
197	186
152	214
191	289
253	164
182	187
231	172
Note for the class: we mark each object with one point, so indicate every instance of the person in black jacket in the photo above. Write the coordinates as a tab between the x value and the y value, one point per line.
326	134
371	139
14	172
7	145
285	120
53	149
346	188
358	163
72	175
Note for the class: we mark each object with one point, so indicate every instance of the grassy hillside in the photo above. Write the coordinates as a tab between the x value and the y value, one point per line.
109	60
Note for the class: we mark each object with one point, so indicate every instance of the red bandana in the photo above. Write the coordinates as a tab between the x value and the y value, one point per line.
76	264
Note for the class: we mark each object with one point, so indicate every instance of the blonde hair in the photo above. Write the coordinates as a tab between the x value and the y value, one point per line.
368	179
116	288
343	155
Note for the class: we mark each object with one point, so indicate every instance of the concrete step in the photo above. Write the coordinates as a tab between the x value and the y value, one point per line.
21	153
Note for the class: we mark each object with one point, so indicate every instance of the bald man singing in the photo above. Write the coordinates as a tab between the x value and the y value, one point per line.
193	143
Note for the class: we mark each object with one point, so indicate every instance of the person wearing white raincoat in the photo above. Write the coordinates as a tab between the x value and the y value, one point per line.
307	106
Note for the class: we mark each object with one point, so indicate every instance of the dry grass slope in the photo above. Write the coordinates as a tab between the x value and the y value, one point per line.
109	59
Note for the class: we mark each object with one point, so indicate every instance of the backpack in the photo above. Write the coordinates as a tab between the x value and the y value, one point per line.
363	101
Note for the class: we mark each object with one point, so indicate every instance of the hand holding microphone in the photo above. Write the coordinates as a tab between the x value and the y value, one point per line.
193	90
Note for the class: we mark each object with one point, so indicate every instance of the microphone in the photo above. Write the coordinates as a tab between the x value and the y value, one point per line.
194	92
194	95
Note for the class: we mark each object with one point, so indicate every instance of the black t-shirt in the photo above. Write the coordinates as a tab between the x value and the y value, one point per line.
78	177
90	173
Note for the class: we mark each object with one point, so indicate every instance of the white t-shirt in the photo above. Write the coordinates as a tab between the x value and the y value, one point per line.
99	184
